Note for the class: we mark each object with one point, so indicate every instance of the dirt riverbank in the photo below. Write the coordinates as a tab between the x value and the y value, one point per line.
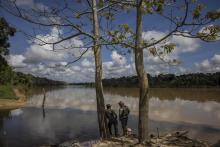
12	103
174	139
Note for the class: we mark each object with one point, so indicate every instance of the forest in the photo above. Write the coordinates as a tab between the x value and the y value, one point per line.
192	80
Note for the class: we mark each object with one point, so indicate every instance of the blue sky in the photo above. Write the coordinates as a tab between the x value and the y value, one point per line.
28	57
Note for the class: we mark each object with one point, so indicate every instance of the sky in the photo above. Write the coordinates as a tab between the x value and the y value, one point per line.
27	56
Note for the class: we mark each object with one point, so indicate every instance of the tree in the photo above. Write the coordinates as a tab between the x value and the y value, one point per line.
5	32
98	73
198	25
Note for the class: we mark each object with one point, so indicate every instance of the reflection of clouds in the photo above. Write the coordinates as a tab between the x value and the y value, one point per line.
16	112
58	126
162	110
78	98
185	111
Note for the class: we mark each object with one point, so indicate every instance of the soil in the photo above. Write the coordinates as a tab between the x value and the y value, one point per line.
12	103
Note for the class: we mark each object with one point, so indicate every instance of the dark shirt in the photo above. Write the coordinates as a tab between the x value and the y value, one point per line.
111	115
124	112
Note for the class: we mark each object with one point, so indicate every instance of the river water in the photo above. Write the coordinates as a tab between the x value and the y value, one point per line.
70	113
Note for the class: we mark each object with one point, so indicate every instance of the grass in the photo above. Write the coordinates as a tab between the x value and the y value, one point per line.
6	92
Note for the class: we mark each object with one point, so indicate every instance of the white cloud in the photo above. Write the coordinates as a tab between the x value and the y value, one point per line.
40	54
153	35
24	2
216	59
212	65
87	63
30	4
16	60
154	65
183	44
42	61
205	65
76	68
117	67
118	59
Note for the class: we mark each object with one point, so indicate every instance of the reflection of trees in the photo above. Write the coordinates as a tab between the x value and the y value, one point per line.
43	103
3	114
195	94
36	90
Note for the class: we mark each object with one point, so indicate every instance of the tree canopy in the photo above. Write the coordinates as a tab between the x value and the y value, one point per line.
5	32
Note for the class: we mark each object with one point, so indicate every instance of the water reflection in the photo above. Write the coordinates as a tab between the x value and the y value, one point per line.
177	110
70	113
30	129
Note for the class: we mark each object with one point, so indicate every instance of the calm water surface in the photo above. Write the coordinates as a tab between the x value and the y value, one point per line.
70	113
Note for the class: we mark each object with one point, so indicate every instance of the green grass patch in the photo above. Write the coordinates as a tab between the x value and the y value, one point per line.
6	92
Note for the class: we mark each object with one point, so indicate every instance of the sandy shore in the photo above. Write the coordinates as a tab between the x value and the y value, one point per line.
11	104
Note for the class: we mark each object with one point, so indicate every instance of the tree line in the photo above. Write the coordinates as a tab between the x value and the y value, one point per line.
192	80
169	80
7	76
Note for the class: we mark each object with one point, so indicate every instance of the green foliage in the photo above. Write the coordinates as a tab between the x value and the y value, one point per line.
123	34
153	51
159	4
209	33
77	16
5	32
169	80
6	72
168	48
153	6
213	15
108	15
100	3
197	11
125	27
117	36
30	80
163	50
6	92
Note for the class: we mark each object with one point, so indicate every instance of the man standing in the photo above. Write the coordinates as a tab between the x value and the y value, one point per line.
123	116
112	119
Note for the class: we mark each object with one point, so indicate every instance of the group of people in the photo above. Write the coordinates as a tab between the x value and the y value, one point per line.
113	119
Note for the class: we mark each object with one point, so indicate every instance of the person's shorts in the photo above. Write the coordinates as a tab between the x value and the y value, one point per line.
124	122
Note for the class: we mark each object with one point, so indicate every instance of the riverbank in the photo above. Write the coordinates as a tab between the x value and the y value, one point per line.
174	139
7	92
14	103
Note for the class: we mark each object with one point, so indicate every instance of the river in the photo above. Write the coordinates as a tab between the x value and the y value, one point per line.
70	113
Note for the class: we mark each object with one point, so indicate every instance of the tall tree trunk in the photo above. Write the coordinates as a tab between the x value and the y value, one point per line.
142	78
98	75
